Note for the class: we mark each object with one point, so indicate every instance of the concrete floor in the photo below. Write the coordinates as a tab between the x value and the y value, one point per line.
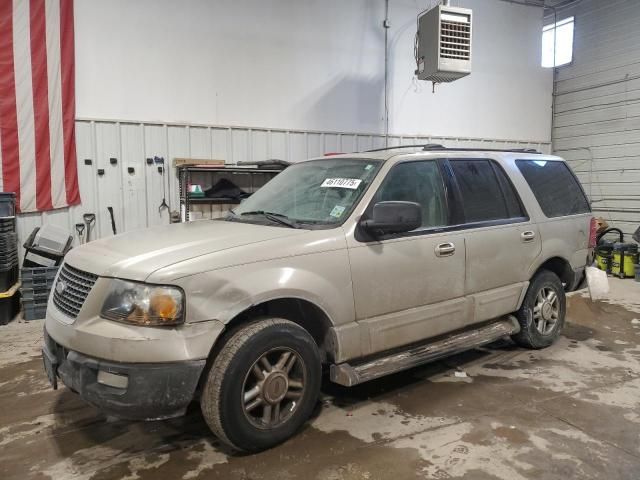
570	411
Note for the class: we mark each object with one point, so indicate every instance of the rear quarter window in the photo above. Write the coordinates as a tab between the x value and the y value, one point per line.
555	187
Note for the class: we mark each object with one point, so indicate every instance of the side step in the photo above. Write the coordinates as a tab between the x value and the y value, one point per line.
348	375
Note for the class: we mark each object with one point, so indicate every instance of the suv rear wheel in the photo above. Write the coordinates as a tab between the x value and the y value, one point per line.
542	313
263	385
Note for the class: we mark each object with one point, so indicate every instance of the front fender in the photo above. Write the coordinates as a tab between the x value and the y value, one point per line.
323	279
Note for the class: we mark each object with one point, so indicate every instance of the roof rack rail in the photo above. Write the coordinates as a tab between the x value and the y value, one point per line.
422	145
465	149
436	147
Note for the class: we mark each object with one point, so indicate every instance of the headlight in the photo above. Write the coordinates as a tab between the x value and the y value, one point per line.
143	304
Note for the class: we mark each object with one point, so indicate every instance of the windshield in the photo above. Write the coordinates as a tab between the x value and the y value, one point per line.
317	192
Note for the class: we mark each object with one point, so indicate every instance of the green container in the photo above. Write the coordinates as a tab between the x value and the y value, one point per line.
603	256
623	259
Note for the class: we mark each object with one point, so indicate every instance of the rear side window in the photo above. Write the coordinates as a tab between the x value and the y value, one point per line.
555	187
487	194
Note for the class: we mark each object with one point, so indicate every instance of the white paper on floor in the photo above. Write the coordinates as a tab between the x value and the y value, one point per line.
598	283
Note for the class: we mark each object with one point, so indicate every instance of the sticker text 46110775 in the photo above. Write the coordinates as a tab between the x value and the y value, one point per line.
351	183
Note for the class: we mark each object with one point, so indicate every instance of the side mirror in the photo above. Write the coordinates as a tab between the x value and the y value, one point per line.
394	217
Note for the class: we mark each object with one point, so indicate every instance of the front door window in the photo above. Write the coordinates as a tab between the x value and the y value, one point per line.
419	182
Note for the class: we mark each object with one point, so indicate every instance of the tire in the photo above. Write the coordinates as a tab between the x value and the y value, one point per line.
541	329
231	383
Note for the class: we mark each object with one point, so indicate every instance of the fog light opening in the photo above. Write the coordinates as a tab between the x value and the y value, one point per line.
112	380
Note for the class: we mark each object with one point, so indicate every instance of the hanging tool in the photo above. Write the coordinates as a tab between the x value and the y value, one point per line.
113	222
163	205
89	220
80	231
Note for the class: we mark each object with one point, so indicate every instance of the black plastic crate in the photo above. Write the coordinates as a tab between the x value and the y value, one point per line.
9	256
34	309
9	305
7	224
39	284
7	204
38	295
31	247
8	249
7	265
39	272
8	238
8	277
42	277
37	258
8	261
33	312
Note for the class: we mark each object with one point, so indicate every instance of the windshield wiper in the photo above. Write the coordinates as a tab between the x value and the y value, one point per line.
274	217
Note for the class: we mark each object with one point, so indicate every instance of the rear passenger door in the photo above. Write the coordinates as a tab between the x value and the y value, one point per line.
501	241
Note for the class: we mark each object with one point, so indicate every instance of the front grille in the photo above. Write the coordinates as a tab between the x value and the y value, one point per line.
77	285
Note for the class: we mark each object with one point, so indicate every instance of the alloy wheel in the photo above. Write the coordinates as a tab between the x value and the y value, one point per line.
273	387
546	310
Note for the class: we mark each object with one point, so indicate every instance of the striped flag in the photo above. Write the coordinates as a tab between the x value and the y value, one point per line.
37	104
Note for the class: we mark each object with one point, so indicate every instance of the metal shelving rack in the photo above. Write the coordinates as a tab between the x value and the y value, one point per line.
208	174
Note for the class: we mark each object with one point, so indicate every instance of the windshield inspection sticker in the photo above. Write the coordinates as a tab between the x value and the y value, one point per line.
337	211
351	183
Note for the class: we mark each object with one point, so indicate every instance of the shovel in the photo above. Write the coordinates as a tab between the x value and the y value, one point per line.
80	230
89	220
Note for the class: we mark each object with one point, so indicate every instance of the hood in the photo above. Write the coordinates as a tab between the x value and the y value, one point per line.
136	255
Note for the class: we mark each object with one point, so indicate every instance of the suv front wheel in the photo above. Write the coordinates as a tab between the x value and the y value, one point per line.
541	315
262	385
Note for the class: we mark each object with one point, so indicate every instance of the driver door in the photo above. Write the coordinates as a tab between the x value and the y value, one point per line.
408	287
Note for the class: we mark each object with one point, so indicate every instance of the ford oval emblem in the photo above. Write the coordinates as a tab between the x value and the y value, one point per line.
60	286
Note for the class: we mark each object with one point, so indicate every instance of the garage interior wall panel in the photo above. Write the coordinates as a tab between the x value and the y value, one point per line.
306	65
596	124
136	196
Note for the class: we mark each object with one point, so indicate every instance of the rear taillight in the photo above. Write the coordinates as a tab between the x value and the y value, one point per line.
593	227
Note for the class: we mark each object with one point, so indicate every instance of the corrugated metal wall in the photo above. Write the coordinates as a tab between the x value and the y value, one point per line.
597	107
135	197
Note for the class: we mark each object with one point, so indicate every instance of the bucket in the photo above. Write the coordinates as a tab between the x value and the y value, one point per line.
603	256
623	260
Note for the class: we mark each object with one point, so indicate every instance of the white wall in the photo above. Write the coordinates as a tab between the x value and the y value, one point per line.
597	108
305	64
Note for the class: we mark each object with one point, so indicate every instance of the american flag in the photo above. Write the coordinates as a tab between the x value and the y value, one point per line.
37	104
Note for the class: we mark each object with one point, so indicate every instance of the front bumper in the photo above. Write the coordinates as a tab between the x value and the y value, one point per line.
134	391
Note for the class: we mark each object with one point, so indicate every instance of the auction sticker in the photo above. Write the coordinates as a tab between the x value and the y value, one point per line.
351	183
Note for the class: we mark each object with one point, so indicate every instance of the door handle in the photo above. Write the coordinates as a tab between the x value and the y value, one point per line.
445	249
527	236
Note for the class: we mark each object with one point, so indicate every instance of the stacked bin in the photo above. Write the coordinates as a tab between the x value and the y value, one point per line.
8	258
45	249
35	290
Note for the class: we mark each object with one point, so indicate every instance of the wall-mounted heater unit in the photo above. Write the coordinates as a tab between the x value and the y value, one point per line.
443	50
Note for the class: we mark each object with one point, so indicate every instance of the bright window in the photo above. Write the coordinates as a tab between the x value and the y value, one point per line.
562	32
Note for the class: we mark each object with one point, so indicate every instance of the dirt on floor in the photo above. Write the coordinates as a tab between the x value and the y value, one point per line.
569	411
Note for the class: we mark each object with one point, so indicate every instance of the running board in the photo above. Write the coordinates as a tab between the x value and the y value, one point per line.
348	375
